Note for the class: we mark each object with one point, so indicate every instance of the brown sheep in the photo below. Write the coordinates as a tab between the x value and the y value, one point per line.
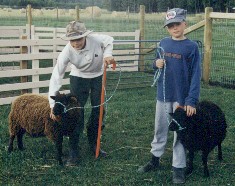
30	113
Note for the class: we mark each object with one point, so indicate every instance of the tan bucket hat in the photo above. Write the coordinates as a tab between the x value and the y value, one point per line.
75	30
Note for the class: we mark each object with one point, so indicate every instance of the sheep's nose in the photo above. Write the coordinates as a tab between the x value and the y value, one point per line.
172	126
58	118
56	112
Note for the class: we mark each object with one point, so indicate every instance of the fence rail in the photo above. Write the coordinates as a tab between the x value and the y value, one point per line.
41	50
39	47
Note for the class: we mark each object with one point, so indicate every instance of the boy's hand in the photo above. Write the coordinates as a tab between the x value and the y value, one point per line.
160	63
189	110
52	116
108	61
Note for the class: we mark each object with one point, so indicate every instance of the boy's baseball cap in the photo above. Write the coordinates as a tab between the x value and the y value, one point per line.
75	30
175	15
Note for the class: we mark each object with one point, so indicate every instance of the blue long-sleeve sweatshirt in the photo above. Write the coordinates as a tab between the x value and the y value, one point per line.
182	73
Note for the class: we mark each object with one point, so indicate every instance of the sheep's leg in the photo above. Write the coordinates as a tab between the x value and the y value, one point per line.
20	139
58	144
43	153
10	146
220	152
204	160
73	149
189	169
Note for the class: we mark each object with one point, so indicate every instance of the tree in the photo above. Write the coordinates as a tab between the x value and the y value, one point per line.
192	6
106	4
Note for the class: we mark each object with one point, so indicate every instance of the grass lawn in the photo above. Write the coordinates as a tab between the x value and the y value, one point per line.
126	138
129	127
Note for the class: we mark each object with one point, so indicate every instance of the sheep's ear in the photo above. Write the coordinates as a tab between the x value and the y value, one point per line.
68	95
57	93
52	97
173	126
171	114
71	97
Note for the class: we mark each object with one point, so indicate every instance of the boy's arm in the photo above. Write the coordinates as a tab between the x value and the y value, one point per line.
194	90
57	75
158	61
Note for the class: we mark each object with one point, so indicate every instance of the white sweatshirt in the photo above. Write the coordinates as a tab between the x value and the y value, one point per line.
85	63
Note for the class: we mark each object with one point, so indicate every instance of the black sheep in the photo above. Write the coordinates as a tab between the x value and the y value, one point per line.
203	131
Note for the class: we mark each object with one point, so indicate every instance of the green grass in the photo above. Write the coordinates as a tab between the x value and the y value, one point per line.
126	138
130	122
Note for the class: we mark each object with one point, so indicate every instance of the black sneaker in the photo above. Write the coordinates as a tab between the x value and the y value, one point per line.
148	167
178	175
71	162
102	153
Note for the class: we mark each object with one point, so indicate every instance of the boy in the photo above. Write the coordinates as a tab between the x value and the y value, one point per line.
88	55
178	85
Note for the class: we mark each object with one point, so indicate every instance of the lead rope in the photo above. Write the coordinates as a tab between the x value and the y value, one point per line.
161	53
159	70
164	92
105	102
177	123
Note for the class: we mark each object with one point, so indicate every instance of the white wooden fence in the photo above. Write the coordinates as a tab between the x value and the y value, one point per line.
45	44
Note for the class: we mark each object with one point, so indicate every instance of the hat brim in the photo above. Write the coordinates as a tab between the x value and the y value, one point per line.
173	21
64	37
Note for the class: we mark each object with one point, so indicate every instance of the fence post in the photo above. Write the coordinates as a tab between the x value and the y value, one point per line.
128	13
24	64
208	45
142	17
35	65
29	10
57	13
77	13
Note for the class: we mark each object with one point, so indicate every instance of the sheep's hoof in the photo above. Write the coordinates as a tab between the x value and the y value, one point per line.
220	158
10	149
206	174
21	148
61	164
188	171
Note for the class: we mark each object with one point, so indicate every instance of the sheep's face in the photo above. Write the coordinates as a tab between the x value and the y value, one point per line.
181	124
60	105
63	103
178	121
